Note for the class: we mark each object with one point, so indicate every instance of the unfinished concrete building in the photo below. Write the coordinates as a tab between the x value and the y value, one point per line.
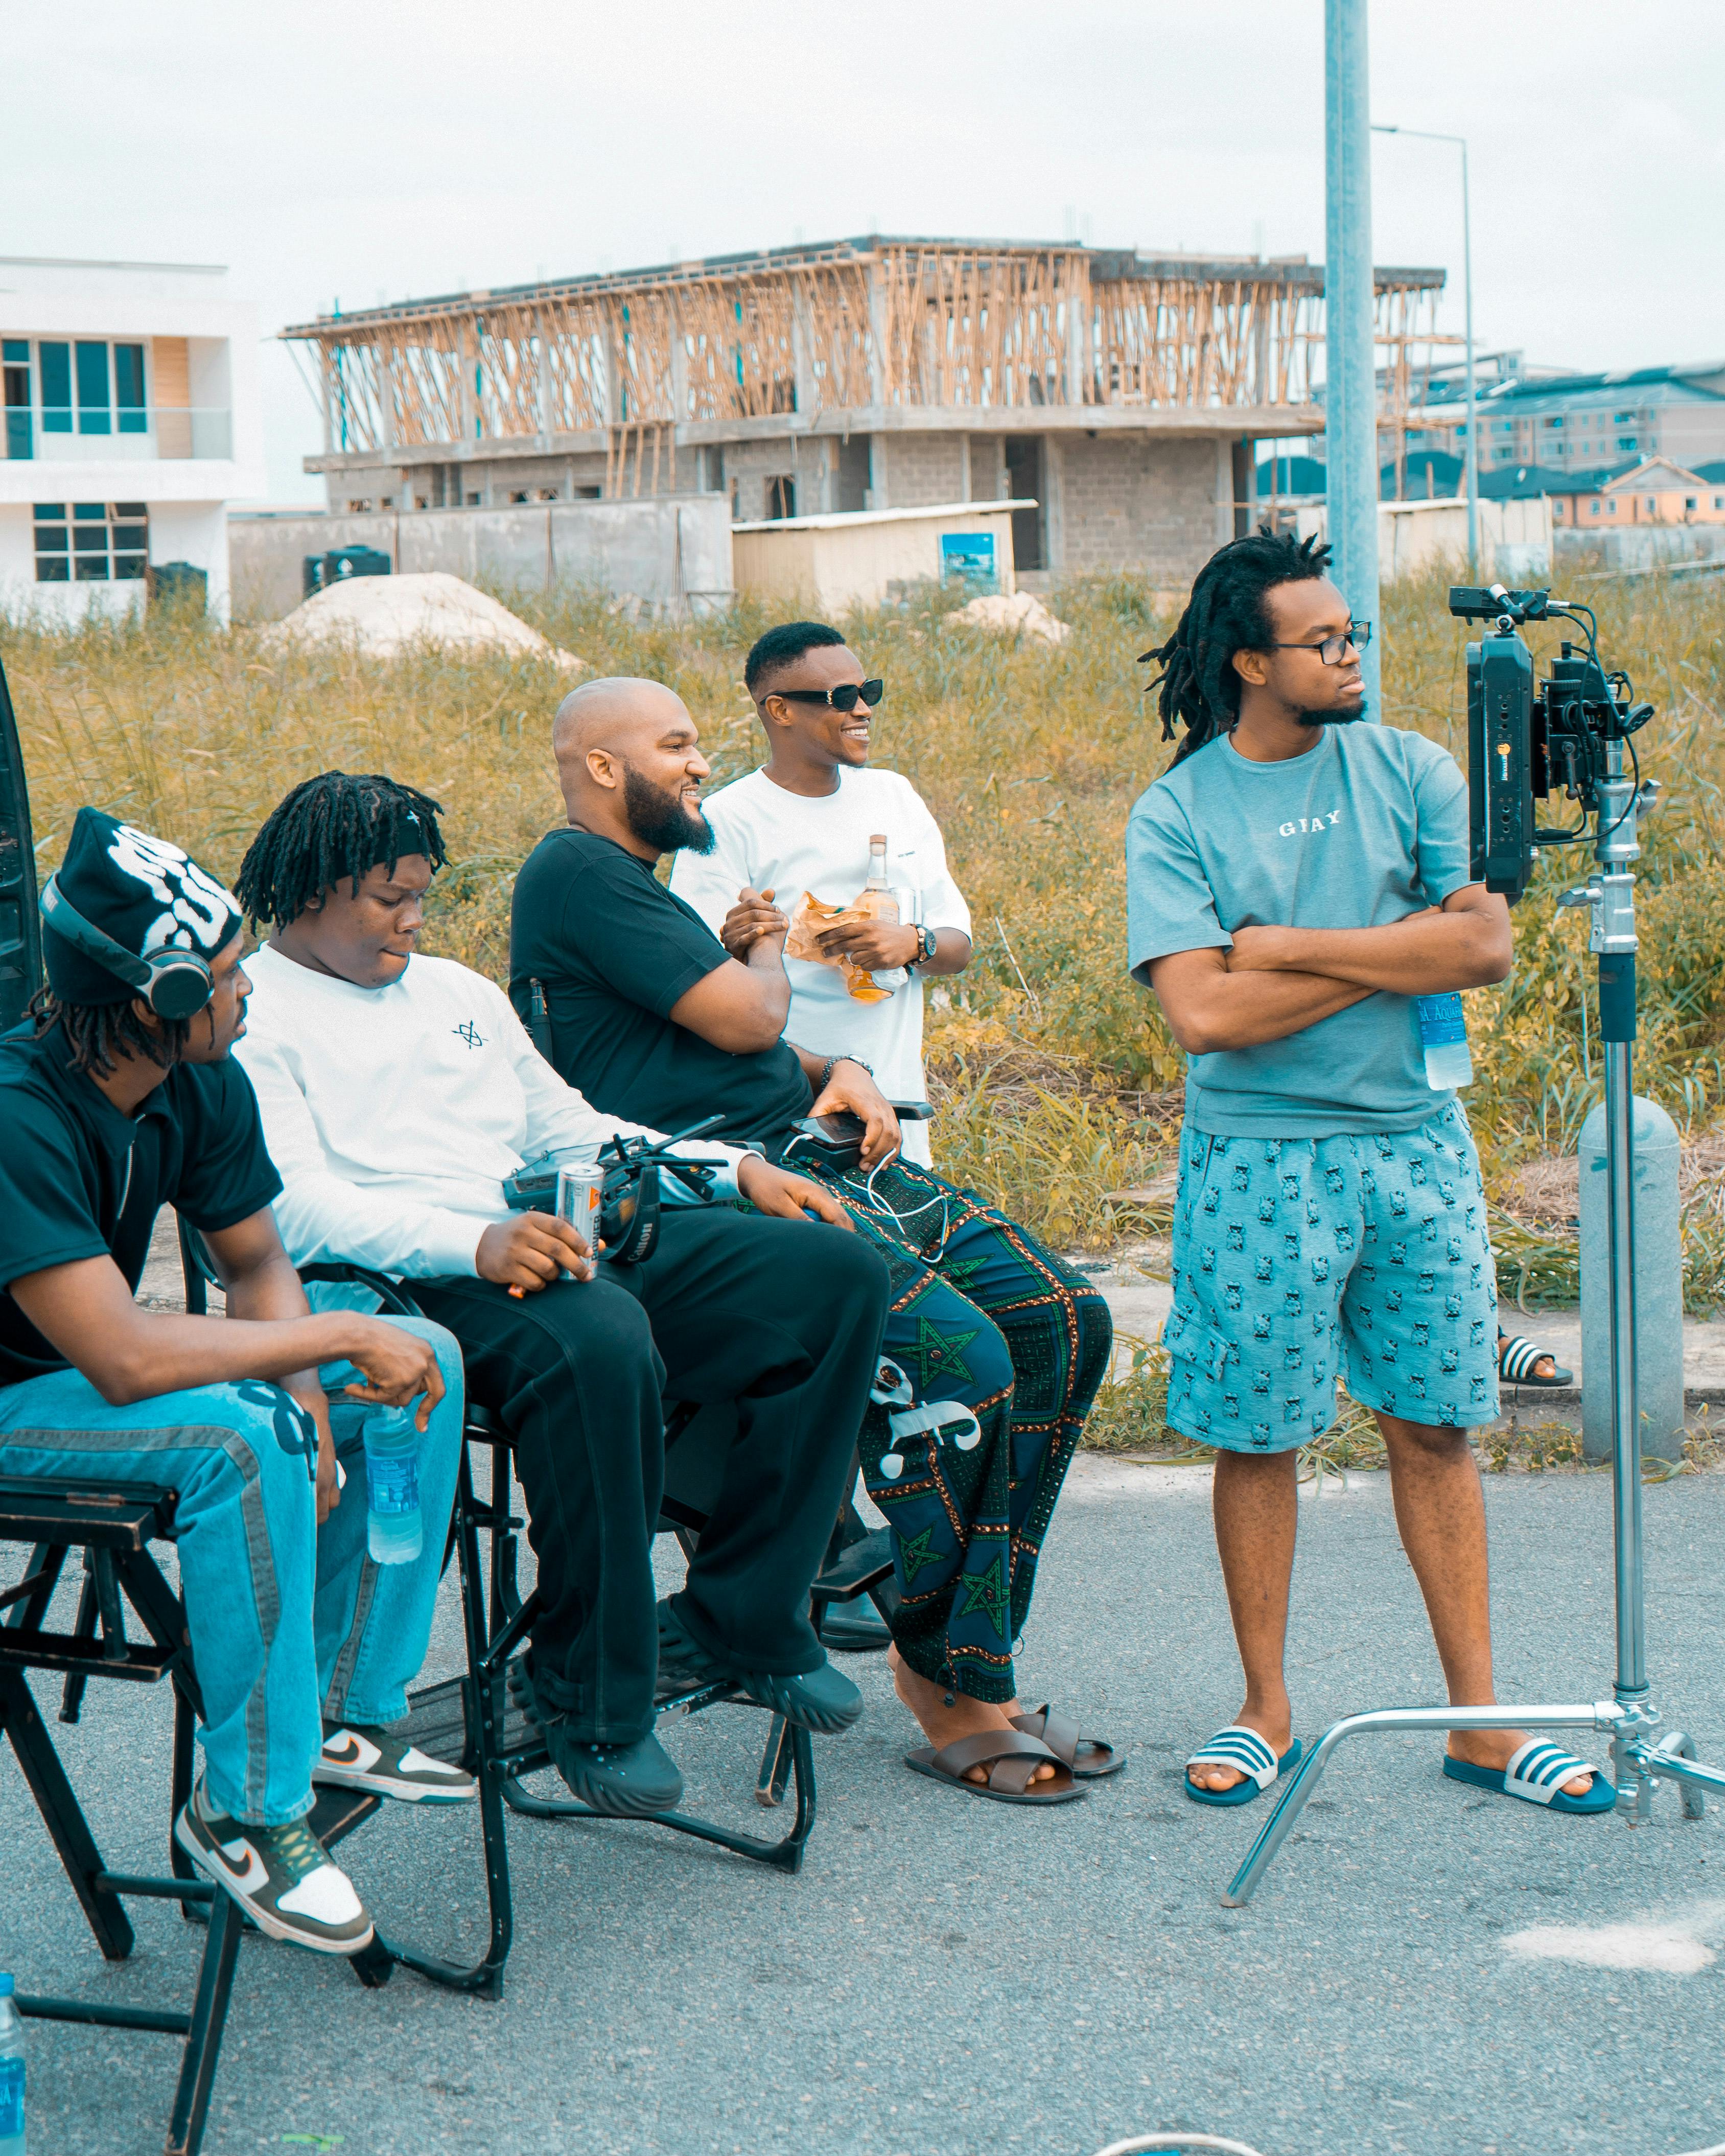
1121	393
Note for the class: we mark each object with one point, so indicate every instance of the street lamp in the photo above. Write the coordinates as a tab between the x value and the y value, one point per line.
1422	135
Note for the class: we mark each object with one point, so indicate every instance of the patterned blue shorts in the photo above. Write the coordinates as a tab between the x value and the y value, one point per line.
1290	1251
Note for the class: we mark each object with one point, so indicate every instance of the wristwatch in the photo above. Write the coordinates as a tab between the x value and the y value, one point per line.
925	944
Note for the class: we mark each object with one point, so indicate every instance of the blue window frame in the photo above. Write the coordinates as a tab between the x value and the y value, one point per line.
95	410
97	542
56	362
52	559
15	359
128	389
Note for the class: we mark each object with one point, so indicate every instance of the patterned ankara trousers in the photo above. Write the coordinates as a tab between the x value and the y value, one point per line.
1292	1255
982	1316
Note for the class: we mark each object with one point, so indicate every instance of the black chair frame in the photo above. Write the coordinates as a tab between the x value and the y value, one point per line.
113	1525
482	1718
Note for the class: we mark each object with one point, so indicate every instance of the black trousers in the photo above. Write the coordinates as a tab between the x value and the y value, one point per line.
784	1317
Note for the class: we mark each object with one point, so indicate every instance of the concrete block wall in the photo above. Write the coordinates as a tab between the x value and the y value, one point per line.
987	470
922	471
811	460
496	484
1134	502
673	551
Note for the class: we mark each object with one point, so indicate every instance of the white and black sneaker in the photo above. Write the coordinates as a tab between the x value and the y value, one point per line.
362	1756
282	1876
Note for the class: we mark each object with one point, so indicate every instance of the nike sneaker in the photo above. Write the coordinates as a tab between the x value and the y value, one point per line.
282	1876
362	1756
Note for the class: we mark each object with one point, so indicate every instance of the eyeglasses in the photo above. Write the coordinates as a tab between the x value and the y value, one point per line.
1330	649
844	698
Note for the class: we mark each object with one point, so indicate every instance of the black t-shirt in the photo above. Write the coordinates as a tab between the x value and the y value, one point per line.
78	1179
614	950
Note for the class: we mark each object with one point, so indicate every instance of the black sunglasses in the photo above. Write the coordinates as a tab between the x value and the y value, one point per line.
845	698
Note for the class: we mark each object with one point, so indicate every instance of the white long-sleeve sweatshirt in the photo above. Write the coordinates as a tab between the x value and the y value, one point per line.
393	1114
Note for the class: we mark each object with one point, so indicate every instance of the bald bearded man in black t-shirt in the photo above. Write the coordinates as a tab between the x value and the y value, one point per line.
993	1348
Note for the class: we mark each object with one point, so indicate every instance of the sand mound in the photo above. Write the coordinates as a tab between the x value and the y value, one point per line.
383	616
1023	615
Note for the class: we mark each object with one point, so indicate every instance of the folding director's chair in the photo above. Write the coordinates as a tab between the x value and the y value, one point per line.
482	1718
113	1525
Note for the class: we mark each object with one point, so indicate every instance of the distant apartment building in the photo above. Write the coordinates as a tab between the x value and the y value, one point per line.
1581	422
131	421
1119	394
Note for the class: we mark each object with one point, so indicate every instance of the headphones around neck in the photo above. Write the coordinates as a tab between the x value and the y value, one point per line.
175	985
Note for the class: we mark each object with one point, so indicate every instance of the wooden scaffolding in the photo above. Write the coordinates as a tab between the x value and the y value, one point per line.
637	361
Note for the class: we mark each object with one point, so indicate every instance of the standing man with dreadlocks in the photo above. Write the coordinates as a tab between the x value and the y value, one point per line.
125	1099
1298	879
398	1092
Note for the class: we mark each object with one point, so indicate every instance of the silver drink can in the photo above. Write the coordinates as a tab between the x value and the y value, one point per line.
578	1192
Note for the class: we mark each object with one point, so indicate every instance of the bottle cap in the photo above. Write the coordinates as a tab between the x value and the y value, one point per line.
5	1986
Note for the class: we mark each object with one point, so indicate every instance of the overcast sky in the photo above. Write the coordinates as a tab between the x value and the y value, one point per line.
369	150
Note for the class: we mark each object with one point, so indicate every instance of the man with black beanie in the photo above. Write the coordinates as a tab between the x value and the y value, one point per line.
121	1098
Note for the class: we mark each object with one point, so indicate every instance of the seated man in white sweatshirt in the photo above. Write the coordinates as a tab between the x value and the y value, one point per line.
397	1093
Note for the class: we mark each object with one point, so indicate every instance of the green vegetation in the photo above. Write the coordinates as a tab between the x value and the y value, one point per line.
1057	1078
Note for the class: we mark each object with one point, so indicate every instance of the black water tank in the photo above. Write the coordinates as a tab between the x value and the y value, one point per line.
323	570
178	584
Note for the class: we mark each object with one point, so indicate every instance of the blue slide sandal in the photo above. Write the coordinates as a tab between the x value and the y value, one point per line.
1247	1753
1537	1773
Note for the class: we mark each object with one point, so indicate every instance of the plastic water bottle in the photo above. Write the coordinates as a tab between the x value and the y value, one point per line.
394	1532
1443	1032
12	2074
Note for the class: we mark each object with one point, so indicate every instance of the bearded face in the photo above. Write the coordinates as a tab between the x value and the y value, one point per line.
659	818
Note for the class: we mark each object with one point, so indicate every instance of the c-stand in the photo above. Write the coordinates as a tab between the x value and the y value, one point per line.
1574	731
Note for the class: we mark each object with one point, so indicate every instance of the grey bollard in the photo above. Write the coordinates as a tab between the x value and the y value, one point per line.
1659	1286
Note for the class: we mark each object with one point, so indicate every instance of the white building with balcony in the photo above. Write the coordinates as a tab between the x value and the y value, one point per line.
131	421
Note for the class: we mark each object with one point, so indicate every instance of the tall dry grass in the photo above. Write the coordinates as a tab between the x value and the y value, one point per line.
1029	755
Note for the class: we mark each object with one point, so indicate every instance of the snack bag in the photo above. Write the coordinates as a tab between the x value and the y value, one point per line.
808	918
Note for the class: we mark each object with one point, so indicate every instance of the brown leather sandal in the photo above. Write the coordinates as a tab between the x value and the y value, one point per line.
1060	1733
1011	1760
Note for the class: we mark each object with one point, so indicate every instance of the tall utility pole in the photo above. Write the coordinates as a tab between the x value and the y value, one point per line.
1350	359
1472	455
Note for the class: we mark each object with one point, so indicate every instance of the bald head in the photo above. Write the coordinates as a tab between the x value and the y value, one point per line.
611	714
629	763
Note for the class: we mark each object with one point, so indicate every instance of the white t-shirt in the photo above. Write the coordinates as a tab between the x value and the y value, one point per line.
789	842
393	1114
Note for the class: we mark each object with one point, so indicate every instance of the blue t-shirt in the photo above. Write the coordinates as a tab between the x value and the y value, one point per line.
1366	827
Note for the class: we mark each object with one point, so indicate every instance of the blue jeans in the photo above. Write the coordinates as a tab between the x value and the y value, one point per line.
289	1621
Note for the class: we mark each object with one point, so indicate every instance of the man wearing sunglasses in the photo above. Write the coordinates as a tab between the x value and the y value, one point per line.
1297	885
804	822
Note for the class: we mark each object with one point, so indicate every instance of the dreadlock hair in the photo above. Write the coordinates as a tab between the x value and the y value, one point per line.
1227	613
100	1037
332	830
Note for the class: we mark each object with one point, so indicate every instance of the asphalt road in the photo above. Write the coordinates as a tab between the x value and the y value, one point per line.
1426	1968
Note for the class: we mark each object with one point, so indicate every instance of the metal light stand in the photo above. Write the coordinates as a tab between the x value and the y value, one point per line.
1639	1756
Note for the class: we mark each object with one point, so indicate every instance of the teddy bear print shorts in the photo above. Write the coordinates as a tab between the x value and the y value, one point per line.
1299	1260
